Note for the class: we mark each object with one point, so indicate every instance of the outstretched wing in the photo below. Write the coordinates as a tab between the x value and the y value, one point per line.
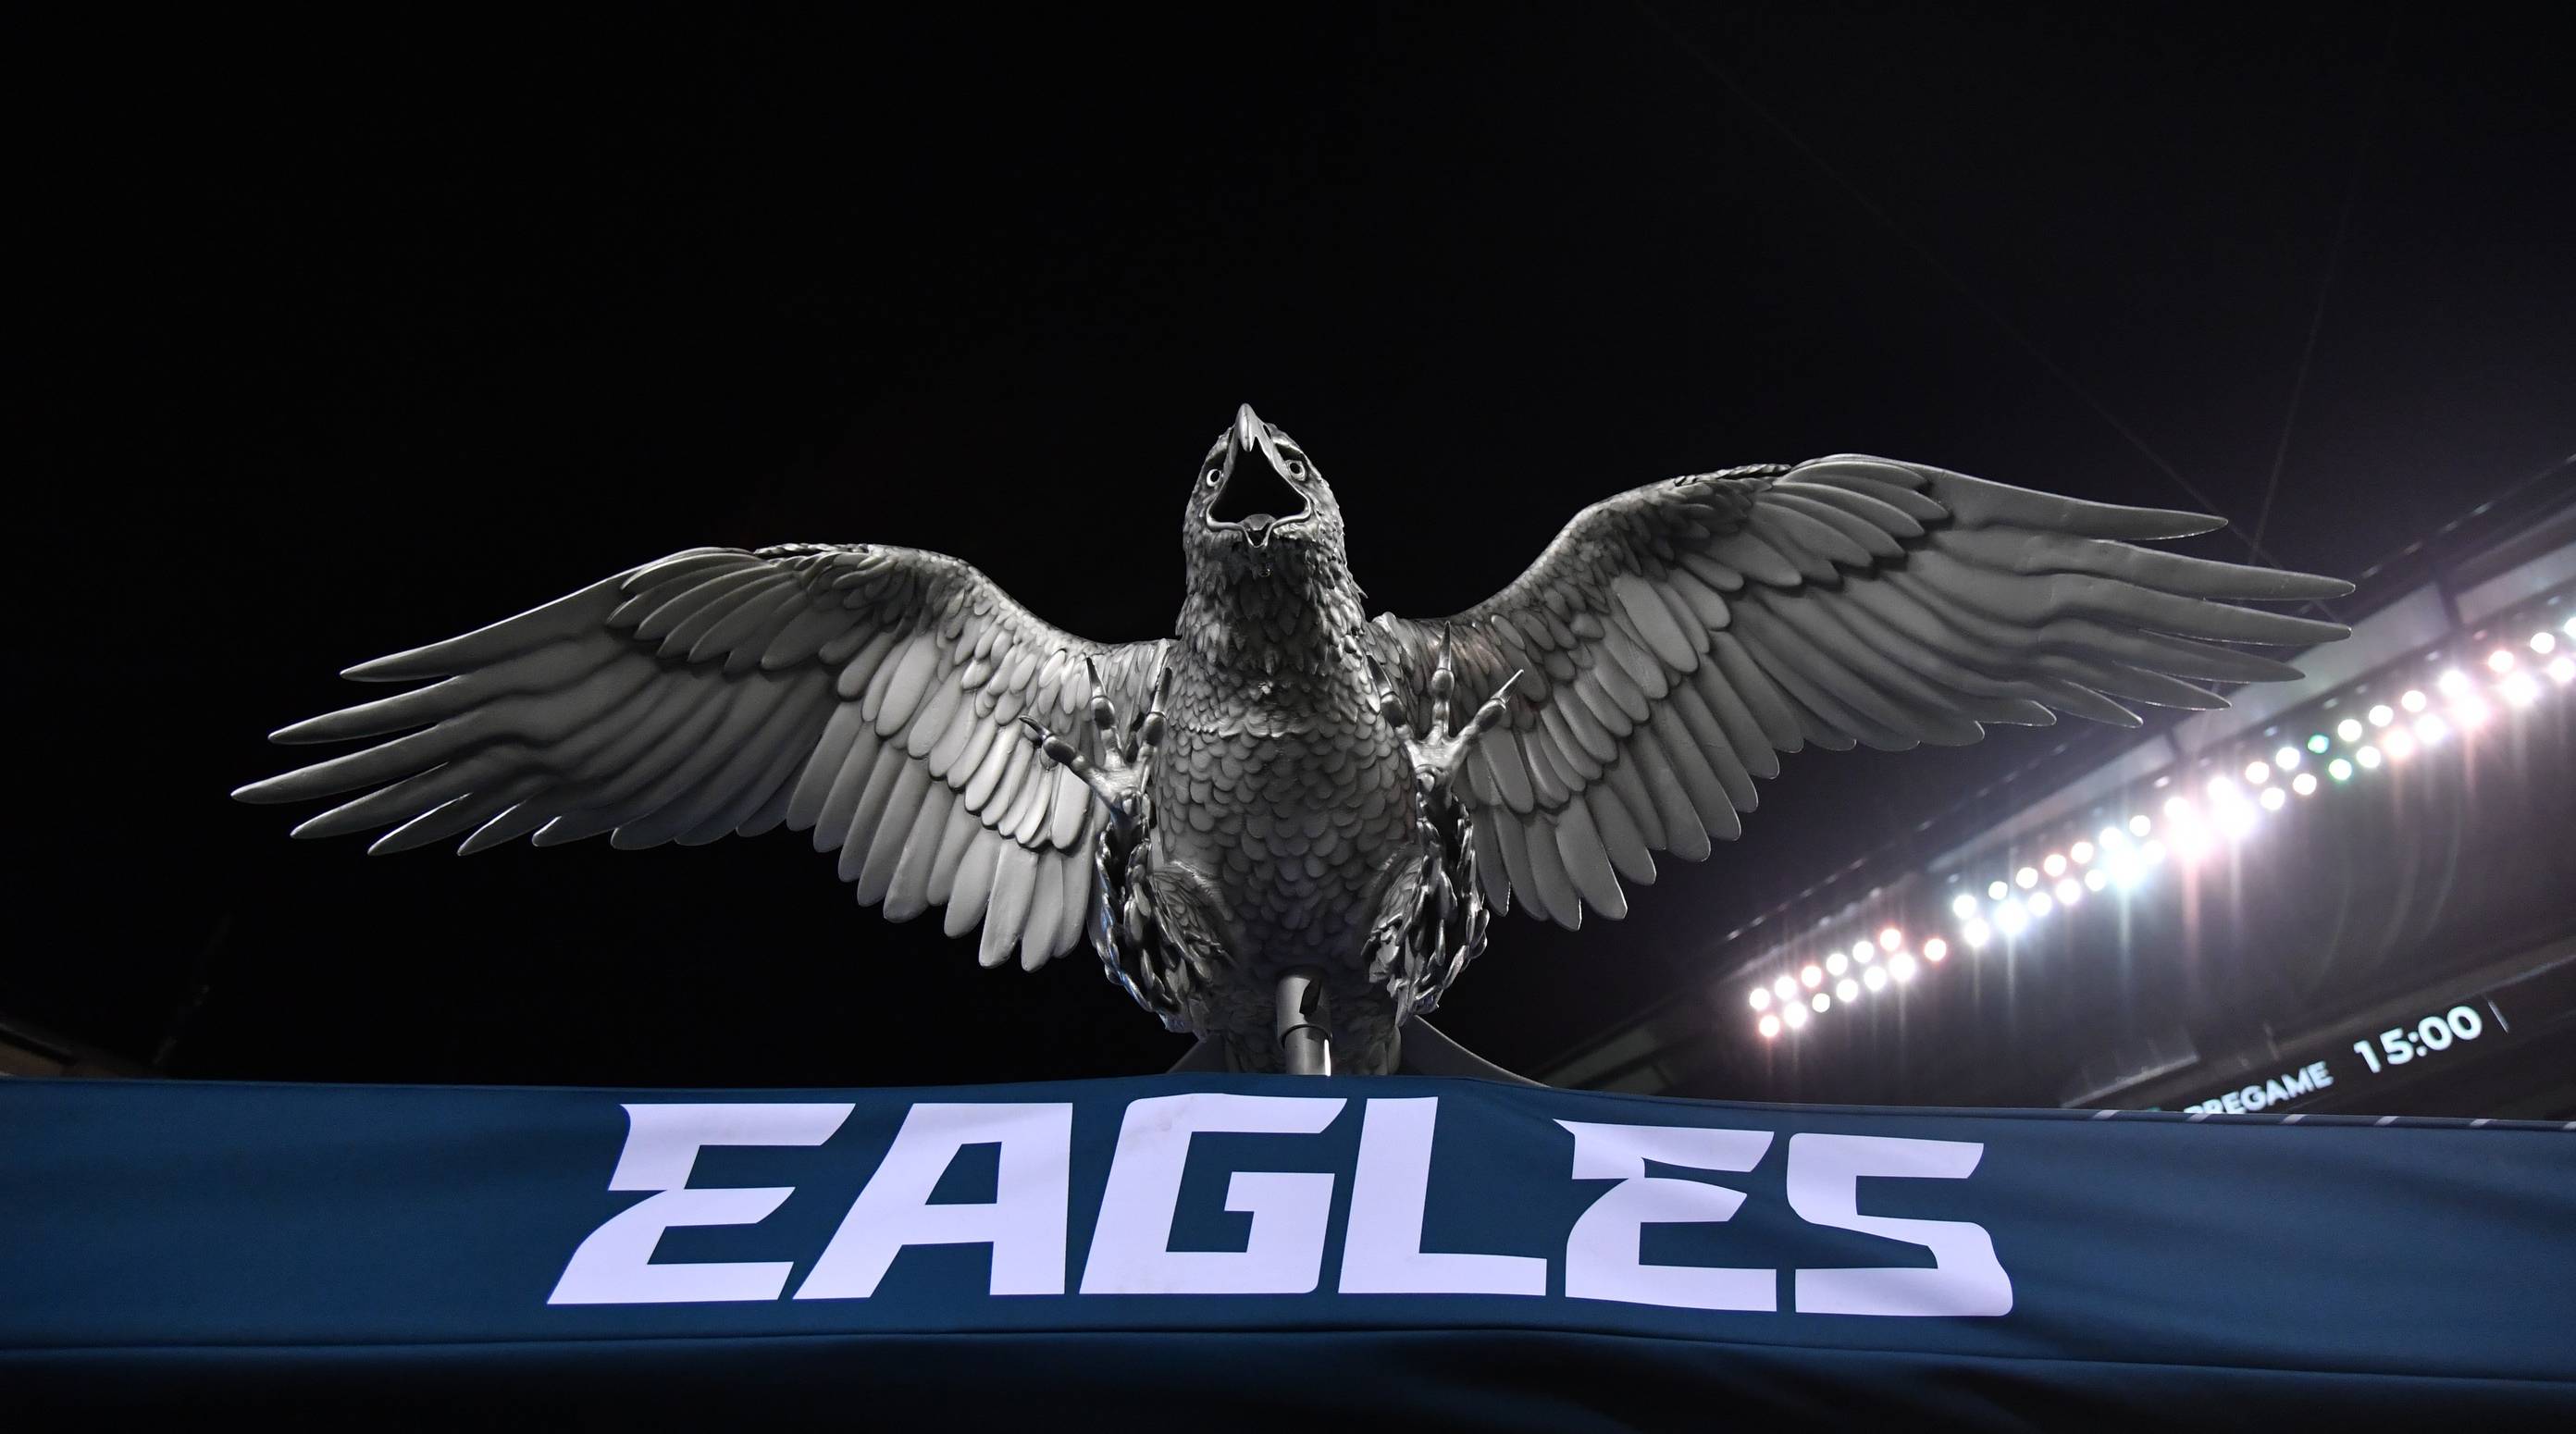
871	694
1675	638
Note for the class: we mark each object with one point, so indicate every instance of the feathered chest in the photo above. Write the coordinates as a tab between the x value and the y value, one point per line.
1266	756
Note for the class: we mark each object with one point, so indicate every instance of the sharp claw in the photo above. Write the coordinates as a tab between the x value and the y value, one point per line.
1490	715
1444	679
1104	715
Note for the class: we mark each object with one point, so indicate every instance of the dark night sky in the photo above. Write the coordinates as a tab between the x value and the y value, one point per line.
354	333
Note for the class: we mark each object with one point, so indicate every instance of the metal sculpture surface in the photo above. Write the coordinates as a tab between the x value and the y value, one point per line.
1273	826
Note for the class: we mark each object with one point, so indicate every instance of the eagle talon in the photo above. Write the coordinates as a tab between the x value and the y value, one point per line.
1119	778
1436	755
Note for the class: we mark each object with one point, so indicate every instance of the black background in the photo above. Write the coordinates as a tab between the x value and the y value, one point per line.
348	333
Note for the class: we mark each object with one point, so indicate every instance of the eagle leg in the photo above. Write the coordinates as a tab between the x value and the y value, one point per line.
1119	778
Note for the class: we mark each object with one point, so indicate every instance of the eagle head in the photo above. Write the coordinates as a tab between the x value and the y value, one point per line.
1260	508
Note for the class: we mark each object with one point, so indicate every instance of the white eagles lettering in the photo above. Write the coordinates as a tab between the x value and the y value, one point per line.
614	1266
1025	1223
1131	1250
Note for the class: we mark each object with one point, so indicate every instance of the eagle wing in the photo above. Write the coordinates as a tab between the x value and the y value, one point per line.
870	694
1676	638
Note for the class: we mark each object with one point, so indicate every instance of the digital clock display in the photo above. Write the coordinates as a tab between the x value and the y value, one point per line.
2361	1056
2401	1044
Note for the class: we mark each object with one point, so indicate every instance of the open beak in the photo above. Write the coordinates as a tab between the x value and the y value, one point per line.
1255	492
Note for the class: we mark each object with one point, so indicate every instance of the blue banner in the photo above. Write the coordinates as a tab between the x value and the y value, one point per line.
1272	1247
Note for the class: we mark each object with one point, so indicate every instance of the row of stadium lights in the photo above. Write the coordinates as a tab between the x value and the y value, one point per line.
2124	853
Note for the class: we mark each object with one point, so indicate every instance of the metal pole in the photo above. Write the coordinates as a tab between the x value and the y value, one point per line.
1305	1033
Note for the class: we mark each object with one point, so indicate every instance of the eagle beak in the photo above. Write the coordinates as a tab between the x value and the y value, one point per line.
1253	480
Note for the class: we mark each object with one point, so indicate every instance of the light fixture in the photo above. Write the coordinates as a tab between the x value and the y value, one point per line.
2521	690
1811	978
1933	950
2500	660
1963	905
2287	759
2011	920
2139	825
1761	998
2543	643
2318	742
2069	892
1902	968
1975	933
2562	669
1835	964
1876	979
2348	729
2339	769
2026	878
1821	1002
1848	989
2430	728
2414	699
2368	757
1769	1027
2257	773
2304	783
1785	988
2274	799
1793	1017
1891	939
1997	891
2381	715
2398	745
2039	903
2096	879
2453	683
2082	853
2055	865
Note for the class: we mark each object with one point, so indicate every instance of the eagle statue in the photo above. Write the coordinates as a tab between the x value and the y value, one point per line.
1283	828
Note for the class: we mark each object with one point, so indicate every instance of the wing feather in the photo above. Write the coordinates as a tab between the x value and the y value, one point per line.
1675	640
865	693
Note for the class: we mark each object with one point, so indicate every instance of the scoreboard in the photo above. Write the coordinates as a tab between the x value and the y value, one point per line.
2353	1065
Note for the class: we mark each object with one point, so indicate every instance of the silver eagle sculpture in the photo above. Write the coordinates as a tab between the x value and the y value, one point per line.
1283	828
